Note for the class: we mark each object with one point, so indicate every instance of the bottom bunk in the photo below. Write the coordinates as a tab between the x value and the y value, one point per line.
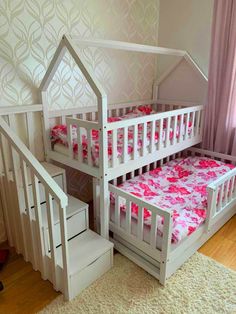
161	217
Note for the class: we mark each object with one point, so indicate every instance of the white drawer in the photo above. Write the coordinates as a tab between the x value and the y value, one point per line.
75	225
90	273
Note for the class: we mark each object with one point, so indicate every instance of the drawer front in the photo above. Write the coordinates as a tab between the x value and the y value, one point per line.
59	181
75	224
92	272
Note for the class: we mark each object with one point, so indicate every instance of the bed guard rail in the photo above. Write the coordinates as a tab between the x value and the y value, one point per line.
128	200
134	139
221	196
148	134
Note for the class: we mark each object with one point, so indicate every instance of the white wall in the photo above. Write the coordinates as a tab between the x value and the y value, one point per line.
186	24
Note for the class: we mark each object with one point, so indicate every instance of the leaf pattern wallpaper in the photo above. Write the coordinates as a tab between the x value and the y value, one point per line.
30	31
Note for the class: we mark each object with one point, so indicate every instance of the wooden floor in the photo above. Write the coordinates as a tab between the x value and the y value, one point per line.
222	246
25	292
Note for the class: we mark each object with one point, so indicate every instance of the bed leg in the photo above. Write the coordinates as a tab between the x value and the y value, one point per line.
163	267
96	211
104	209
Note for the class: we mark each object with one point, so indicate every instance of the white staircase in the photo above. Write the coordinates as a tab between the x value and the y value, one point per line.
46	225
76	219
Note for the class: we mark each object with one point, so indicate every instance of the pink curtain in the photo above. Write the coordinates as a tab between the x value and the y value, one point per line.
220	114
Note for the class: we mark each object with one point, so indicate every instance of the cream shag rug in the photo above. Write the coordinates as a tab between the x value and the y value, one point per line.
200	286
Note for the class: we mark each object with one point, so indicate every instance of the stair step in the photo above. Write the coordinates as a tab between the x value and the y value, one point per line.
90	256
74	207
53	170
83	250
42	198
77	220
57	173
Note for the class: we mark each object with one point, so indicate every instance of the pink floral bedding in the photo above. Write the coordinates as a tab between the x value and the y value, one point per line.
179	185
59	135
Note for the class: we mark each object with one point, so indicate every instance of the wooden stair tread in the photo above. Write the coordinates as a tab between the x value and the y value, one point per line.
74	206
83	250
52	169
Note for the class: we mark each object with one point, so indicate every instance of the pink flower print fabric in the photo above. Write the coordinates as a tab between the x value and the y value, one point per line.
180	185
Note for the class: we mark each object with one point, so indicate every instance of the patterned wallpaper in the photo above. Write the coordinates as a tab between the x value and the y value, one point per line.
30	31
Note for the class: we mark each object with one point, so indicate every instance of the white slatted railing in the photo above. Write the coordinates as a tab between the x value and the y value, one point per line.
25	120
124	229
16	176
83	139
155	132
221	194
136	137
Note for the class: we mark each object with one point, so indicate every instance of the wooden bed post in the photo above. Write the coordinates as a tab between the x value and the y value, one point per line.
104	193
96	213
58	56
68	43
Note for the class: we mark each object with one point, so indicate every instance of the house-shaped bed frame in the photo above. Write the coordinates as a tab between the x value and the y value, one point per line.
189	89
56	244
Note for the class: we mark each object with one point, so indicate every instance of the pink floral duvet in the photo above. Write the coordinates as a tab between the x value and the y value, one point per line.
59	135
180	185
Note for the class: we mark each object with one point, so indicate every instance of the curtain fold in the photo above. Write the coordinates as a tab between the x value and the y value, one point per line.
220	114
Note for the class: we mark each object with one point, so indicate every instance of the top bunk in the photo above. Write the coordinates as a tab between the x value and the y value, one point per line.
110	139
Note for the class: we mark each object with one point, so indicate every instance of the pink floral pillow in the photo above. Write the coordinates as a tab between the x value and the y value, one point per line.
139	111
146	110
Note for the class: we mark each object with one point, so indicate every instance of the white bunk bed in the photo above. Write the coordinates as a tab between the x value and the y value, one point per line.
183	118
96	118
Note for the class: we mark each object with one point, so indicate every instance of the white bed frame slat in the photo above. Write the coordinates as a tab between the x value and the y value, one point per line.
114	148
16	196
153	241
5	181
30	135
181	127
128	217
186	127
175	130
89	152
125	144
51	230
144	139
140	223
135	141
38	215
160	130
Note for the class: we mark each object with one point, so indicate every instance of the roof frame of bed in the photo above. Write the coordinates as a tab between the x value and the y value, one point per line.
72	43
